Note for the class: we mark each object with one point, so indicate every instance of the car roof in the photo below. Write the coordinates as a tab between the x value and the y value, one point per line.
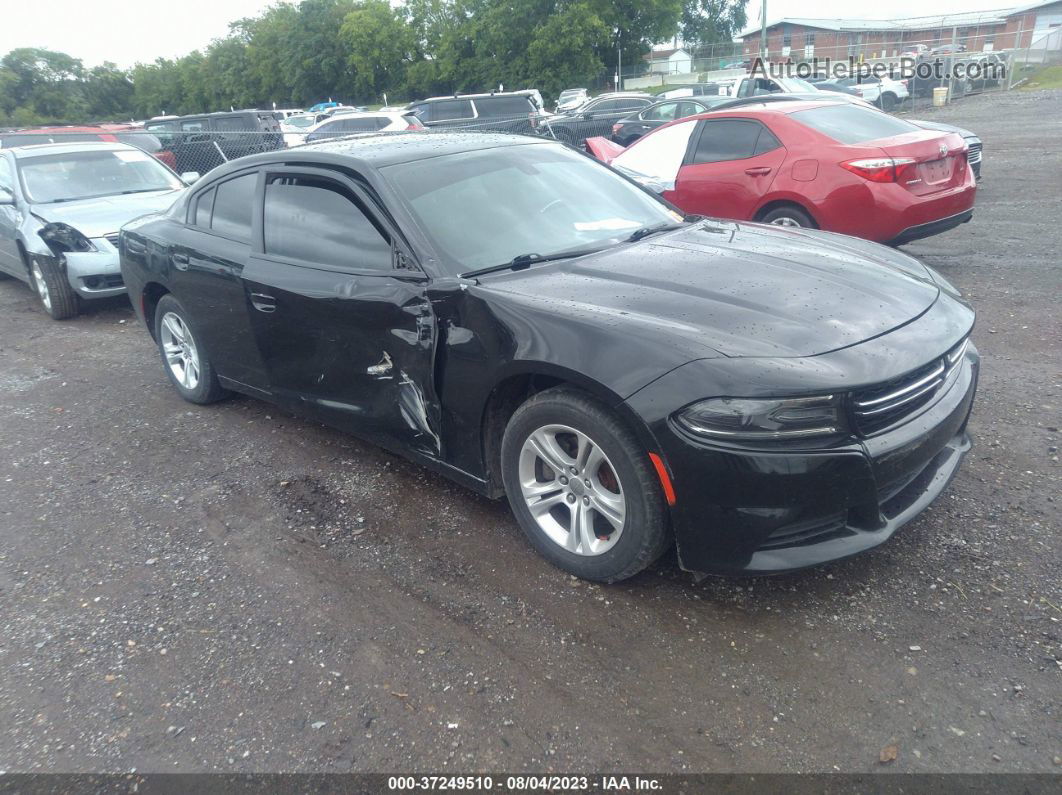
34	150
385	149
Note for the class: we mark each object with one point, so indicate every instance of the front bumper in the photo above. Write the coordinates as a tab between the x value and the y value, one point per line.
742	511
95	274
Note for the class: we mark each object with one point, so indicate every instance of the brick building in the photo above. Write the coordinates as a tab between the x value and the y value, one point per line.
799	38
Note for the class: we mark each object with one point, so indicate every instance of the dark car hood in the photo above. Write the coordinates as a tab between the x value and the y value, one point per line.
734	289
106	214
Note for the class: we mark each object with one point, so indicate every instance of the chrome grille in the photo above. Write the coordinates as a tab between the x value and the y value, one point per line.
112	238
885	405
973	154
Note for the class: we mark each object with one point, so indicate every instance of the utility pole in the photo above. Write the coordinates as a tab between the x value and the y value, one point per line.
763	30
619	63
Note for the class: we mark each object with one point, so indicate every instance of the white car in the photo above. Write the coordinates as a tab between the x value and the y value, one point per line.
886	93
364	122
571	99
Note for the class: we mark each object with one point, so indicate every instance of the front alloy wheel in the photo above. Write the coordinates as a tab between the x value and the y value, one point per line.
582	486
571	490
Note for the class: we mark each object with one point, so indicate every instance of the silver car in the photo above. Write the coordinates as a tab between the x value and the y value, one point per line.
61	206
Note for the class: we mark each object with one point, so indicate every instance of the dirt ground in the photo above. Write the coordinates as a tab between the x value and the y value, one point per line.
230	588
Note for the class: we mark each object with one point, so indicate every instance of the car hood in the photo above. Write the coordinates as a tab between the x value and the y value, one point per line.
733	289
107	214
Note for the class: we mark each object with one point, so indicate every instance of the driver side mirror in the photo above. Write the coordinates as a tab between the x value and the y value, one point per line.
588	114
191	177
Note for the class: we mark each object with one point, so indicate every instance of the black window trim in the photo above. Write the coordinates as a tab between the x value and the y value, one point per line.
695	139
369	206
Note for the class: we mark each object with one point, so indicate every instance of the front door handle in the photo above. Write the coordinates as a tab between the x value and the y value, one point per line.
263	302
180	261
758	171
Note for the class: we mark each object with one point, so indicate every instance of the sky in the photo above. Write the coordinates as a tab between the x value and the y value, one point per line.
127	32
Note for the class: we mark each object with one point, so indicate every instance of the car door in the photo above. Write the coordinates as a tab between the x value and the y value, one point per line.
650	119
10	260
342	318
208	254
450	113
729	166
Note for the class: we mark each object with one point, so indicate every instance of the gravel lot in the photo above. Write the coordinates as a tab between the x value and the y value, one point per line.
231	588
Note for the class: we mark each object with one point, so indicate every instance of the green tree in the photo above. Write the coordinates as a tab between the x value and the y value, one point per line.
382	45
711	21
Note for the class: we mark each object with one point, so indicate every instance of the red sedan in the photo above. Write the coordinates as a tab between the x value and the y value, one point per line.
826	165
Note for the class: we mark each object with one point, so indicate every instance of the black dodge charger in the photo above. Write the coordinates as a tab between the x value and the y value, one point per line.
529	322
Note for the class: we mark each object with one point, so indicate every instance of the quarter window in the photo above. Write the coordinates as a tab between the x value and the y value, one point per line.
319	221
233	208
204	207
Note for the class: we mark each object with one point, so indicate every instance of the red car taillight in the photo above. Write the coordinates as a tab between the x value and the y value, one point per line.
616	128
881	169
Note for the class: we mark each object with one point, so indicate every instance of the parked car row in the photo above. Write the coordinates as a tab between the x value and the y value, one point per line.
536	324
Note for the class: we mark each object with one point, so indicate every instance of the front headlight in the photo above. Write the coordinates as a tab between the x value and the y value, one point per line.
754	419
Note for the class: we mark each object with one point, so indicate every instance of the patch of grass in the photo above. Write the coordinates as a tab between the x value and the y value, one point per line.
1048	77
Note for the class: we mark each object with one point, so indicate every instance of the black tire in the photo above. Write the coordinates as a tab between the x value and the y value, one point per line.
56	295
887	101
206	388
788	215
645	533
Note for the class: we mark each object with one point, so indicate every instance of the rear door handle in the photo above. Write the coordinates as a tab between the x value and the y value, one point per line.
263	302
758	171
180	261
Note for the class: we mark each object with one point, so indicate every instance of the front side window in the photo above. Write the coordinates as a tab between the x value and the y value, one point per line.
193	125
319	221
93	174
233	208
485	207
204	208
655	159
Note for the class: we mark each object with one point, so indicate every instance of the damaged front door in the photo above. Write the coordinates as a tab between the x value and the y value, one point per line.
343	324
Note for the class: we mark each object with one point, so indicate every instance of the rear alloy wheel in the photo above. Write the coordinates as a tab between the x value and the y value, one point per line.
581	487
788	216
57	296
183	356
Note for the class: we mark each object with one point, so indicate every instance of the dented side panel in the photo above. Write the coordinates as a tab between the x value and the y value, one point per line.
355	351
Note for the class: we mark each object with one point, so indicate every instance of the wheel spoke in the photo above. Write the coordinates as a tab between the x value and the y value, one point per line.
611	506
545	504
173	325
550	452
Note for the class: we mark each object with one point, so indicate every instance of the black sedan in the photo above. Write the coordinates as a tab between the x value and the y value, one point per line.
530	323
629	129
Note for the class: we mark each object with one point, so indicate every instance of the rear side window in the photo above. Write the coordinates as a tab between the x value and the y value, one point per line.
850	124
232	124
319	221
727	139
451	109
503	106
193	125
233	208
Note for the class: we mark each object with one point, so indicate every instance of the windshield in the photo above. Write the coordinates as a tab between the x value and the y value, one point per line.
486	207
87	175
